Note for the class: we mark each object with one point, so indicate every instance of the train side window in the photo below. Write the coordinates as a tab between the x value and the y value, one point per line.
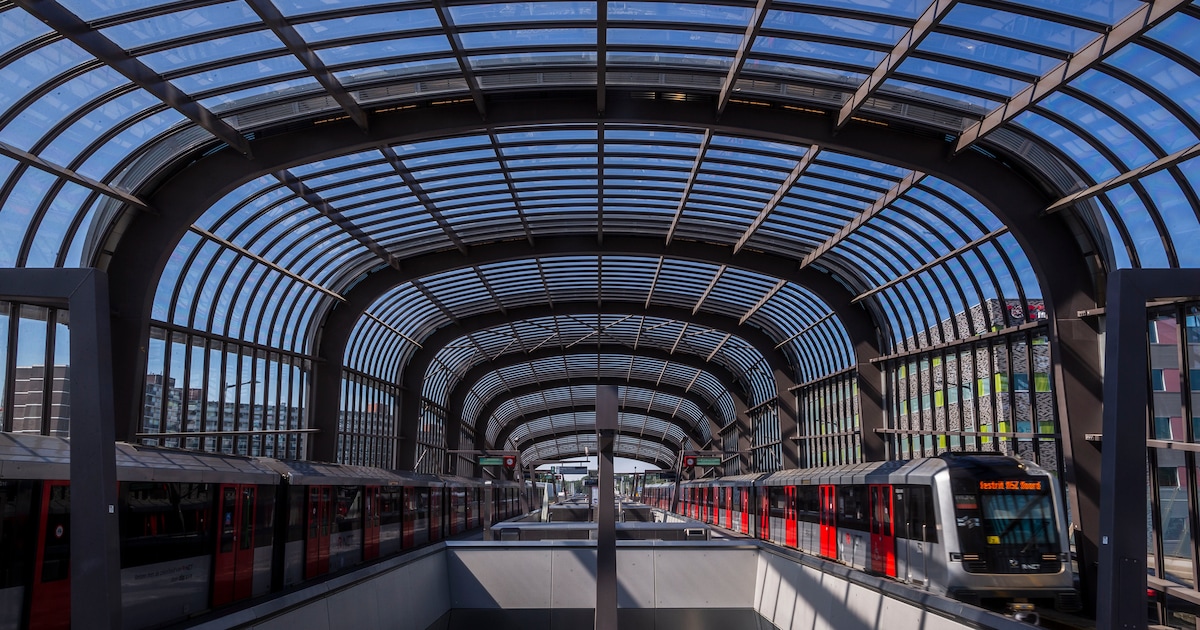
349	508
264	526
56	561
16	537
296	513
852	507
918	514
808	504
778	501
389	509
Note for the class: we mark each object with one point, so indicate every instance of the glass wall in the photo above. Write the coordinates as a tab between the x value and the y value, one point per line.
35	369
220	395
1174	425
367	423
829	421
987	394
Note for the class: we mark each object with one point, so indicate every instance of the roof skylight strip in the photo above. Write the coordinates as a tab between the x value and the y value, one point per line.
782	192
935	262
908	43
762	301
299	48
29	159
319	204
708	291
263	261
90	40
392	329
897	191
1162	163
1146	17
739	58
687	189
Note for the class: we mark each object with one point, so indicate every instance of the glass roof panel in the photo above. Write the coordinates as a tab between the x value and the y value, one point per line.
719	15
26	73
830	26
991	83
44	115
910	9
1106	11
1149	115
528	38
212	51
392	23
18	27
988	53
1017	27
188	23
532	12
817	52
259	70
392	50
1070	143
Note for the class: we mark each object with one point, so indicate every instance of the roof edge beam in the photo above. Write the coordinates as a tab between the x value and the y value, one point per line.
897	191
908	43
1160	164
279	25
1146	17
786	186
62	172
110	54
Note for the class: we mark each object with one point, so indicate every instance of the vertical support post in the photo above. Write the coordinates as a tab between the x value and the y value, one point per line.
606	524
488	491
1122	578
95	551
1121	581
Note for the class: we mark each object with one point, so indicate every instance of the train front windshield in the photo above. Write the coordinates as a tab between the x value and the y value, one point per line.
1007	526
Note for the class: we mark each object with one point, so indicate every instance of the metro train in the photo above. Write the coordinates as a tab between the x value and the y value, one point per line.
199	531
979	527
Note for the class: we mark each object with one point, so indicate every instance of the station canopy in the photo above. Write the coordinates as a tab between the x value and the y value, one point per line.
707	205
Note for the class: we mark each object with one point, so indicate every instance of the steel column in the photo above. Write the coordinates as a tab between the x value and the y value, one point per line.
606	518
95	550
1122	550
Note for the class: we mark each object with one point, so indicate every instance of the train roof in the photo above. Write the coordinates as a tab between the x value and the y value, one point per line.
306	473
746	479
896	471
45	457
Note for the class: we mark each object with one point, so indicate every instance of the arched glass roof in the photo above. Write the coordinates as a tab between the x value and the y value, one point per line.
632	424
575	336
633	447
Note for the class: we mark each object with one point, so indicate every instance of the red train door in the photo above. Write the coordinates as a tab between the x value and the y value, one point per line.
745	493
435	514
789	516
828	496
371	523
764	515
728	508
320	516
50	595
408	517
883	541
714	516
233	564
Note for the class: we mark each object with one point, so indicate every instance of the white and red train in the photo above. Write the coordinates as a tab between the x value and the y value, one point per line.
979	527
199	531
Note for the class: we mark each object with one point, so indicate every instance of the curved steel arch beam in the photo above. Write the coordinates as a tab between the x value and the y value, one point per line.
492	405
524	419
669	443
458	396
662	464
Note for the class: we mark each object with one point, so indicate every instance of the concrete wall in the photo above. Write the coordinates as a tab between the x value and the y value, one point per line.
795	592
661	579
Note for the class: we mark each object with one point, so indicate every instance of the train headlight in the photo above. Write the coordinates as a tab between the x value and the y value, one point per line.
955	556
